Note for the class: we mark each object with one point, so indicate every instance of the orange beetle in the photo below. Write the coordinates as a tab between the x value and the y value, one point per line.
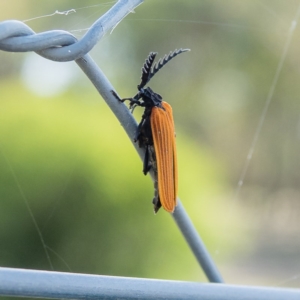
156	133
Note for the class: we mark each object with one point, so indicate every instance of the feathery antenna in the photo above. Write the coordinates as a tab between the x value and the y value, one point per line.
146	69
148	72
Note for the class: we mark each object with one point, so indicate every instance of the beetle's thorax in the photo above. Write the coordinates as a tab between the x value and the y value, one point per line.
150	98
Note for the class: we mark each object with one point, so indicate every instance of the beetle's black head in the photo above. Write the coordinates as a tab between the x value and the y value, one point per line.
150	98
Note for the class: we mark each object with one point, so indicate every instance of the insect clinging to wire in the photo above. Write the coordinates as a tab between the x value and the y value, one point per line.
156	133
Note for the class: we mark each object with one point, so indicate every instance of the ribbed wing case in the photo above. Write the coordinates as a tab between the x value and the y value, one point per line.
163	132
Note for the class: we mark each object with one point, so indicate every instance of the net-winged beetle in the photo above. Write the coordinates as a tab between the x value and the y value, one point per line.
156	133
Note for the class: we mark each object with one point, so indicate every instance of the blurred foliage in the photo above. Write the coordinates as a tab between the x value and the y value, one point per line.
74	166
83	181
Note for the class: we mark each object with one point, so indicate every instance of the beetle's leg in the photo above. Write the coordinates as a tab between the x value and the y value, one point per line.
132	107
116	95
146	163
133	100
138	132
134	103
156	202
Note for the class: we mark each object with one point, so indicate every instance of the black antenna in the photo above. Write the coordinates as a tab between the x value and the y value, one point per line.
146	69
148	73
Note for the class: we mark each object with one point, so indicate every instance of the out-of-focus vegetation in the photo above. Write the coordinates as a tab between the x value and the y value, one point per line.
73	164
68	158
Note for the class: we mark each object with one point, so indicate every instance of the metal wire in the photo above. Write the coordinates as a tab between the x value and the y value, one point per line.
61	46
59	285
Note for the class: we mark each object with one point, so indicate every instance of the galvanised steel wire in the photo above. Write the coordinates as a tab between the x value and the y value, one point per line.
59	45
59	285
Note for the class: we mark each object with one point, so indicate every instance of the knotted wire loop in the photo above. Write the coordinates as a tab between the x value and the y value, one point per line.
59	45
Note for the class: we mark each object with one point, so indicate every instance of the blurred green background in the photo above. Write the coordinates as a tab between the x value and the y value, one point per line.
65	159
